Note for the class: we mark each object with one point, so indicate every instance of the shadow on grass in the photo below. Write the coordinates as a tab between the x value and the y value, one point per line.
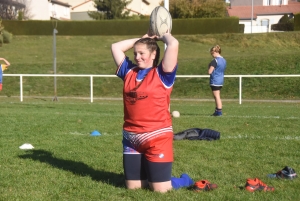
77	168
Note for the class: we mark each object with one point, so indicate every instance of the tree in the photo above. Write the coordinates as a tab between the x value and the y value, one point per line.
213	8
9	9
285	23
1	34
109	9
26	14
197	8
5	36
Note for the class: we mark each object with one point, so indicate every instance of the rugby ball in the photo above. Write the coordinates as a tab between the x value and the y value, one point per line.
160	21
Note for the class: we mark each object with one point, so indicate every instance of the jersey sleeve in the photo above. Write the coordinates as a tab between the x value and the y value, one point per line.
124	68
213	63
167	78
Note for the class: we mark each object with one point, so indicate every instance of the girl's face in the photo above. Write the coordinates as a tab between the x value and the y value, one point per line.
143	57
214	54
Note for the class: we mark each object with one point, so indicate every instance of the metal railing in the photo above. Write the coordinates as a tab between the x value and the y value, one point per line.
92	77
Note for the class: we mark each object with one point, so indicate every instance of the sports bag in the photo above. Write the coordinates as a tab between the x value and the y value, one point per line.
197	134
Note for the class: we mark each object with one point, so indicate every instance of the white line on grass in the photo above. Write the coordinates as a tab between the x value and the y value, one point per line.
105	134
257	117
76	133
92	114
258	137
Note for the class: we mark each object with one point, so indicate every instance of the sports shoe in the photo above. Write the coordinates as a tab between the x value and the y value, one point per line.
257	185
204	185
217	113
285	173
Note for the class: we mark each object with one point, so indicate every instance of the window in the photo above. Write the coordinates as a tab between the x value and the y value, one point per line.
267	2
277	2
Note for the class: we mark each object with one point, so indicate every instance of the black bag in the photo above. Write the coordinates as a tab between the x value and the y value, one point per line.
197	134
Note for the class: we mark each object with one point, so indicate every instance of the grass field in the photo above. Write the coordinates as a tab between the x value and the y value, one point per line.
257	138
69	164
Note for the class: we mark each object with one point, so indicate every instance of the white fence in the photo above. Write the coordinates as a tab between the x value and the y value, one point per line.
256	29
92	77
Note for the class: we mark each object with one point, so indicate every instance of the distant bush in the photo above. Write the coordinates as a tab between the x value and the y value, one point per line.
241	28
7	37
297	22
284	24
1	29
122	27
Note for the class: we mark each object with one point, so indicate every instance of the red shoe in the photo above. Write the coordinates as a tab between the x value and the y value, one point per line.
257	185
204	185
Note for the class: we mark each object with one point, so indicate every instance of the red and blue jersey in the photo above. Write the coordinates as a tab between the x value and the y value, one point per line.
147	107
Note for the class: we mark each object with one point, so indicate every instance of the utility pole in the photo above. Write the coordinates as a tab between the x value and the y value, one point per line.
251	15
166	3
54	63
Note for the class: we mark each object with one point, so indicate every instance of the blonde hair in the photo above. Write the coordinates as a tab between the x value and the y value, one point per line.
215	48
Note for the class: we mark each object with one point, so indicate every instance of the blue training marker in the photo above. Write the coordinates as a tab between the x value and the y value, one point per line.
95	133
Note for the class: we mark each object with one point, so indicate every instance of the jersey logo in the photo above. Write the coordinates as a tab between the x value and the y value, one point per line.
134	96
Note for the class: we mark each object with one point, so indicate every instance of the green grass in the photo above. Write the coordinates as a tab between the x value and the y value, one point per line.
268	53
69	164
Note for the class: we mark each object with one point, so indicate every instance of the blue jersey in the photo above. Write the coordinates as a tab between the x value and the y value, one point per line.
217	76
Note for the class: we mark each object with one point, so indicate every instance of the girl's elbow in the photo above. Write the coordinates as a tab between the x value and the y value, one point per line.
112	47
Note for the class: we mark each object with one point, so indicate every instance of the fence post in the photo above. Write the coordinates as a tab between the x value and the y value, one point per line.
240	89
91	80
21	88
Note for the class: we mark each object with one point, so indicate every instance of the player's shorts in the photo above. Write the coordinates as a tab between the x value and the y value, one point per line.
216	88
148	156
157	146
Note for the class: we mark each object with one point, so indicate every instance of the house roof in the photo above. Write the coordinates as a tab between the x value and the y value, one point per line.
87	1
60	3
245	12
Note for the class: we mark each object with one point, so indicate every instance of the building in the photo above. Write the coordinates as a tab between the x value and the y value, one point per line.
259	17
80	8
258	2
46	9
142	7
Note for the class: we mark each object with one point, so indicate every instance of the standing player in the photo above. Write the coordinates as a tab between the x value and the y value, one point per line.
147	128
3	67
216	70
